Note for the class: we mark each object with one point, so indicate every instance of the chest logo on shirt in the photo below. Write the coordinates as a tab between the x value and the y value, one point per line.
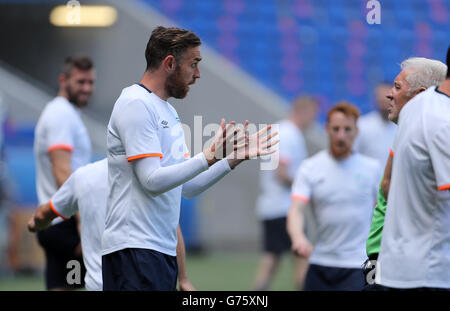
165	124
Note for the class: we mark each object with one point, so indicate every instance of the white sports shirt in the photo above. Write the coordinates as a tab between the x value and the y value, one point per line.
59	127
342	195
375	137
415	249
275	198
142	125
86	191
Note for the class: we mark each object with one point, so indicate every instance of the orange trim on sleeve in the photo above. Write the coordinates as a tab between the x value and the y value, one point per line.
187	154
391	152
60	146
444	187
54	210
146	155
300	198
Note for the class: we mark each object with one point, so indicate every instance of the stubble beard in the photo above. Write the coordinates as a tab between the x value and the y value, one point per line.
175	87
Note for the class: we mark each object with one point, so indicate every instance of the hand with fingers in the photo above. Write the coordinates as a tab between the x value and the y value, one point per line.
301	247
217	149
252	146
31	224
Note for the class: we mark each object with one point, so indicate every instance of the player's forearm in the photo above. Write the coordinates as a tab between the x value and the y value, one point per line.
61	174
386	182
61	165
206	179
181	256
295	221
157	180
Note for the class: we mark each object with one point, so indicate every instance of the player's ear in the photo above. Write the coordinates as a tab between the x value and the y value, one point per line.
62	80
421	89
169	63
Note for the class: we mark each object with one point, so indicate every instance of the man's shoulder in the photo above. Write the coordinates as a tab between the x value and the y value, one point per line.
290	132
370	122
133	96
433	108
57	108
93	175
317	160
368	162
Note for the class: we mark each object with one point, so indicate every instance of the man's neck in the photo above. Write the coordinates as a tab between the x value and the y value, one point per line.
445	87
384	116
296	122
340	157
155	84
63	93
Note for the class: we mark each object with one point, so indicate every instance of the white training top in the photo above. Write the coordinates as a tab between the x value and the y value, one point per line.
142	125
85	191
375	137
415	249
342	195
59	127
275	198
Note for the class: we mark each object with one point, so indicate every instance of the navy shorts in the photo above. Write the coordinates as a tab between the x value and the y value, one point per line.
275	237
138	269
59	242
323	278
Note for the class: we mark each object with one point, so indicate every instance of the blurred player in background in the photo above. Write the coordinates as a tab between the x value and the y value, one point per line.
415	248
150	168
61	146
417	75
341	187
274	201
376	132
86	191
313	132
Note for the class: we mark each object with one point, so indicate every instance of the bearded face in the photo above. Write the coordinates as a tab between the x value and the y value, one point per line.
342	131
185	74
79	86
176	86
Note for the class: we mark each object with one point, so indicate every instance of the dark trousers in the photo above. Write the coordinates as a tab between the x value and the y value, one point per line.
59	242
323	278
137	269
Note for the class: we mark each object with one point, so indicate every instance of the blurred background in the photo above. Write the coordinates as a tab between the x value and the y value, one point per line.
258	56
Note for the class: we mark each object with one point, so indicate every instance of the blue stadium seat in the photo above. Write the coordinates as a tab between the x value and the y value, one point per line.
322	48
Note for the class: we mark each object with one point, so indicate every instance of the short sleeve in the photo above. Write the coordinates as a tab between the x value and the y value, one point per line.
60	134
137	127
65	202
439	149
301	187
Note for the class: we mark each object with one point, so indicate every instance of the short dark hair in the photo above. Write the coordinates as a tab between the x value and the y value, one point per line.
168	41
346	108
82	63
448	62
